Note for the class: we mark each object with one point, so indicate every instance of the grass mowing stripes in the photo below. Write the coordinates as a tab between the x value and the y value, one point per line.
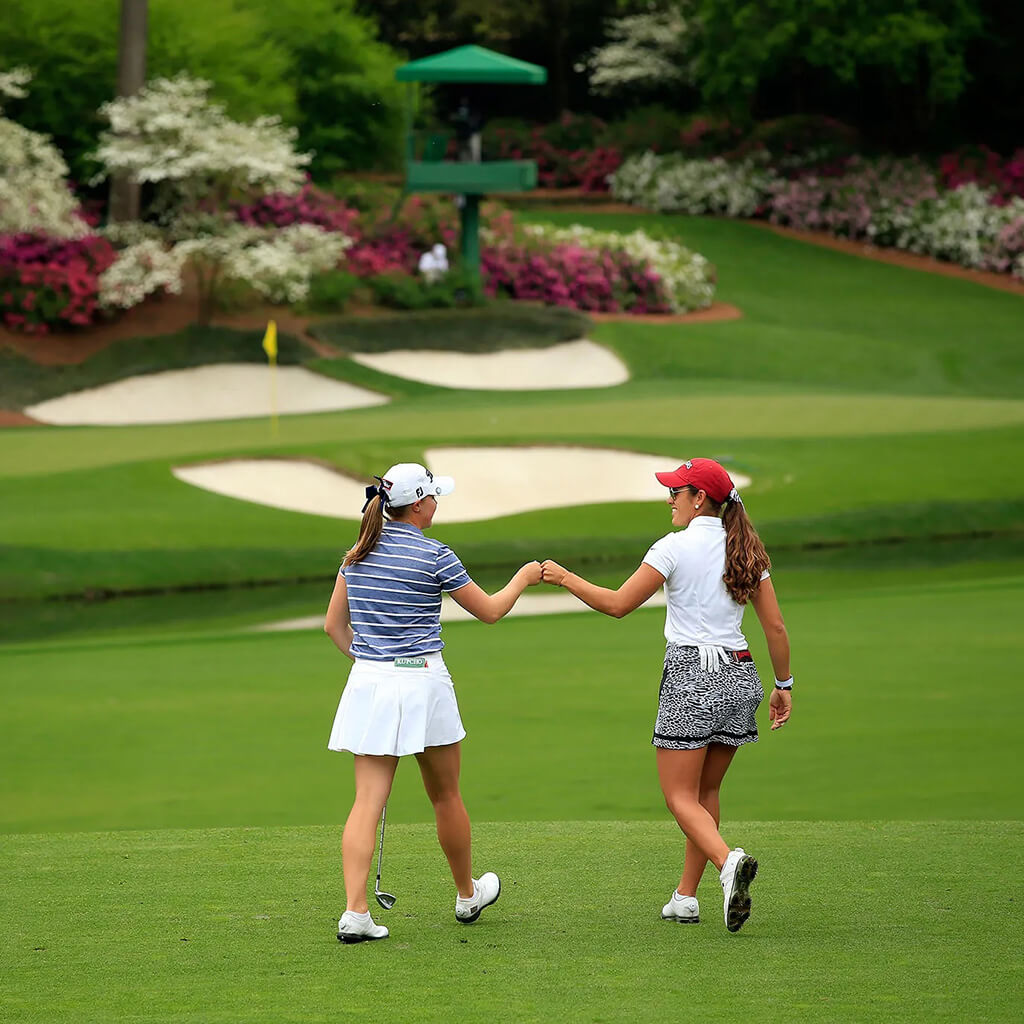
852	921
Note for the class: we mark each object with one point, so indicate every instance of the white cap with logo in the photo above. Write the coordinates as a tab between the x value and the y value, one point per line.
407	482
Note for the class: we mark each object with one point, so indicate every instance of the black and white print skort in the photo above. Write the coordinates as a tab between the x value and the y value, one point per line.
696	707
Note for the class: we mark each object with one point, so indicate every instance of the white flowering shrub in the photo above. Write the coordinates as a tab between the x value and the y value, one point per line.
171	134
34	193
962	226
688	277
140	270
644	51
674	184
277	263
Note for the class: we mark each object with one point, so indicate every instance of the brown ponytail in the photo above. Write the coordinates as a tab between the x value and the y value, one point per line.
745	556
369	532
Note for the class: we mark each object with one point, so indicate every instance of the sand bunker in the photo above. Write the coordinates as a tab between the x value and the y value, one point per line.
490	482
540	600
218	392
574	364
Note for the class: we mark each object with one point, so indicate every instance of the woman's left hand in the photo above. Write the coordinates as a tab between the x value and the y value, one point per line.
780	704
552	572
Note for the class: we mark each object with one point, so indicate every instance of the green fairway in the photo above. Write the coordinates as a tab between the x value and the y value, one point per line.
859	922
898	678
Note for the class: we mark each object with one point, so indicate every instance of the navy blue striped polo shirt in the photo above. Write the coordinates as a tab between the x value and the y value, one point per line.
394	594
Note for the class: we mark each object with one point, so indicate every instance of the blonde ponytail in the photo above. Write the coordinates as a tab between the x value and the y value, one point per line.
369	532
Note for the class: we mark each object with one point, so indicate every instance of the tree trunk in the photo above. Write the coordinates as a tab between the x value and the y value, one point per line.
131	76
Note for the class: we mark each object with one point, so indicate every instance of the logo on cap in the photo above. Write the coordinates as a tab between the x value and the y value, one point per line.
688	464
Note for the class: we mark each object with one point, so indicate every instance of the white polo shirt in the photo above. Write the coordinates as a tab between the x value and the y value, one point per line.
699	608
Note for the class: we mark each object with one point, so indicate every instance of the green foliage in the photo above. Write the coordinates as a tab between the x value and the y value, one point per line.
406	291
786	138
919	46
71	48
317	64
349	106
330	292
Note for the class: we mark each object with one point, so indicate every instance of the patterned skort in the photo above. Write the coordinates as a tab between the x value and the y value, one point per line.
696	708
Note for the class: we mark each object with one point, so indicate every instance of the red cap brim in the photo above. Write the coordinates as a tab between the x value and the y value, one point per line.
673	479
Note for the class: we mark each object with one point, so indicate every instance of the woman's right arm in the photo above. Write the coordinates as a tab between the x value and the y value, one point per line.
337	624
766	604
491	607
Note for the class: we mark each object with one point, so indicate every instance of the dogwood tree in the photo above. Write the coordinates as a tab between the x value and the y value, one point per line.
170	134
34	193
201	162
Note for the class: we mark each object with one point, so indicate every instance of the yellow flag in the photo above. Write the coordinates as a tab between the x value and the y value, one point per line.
270	341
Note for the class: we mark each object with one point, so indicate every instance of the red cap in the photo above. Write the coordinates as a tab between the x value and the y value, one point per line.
704	474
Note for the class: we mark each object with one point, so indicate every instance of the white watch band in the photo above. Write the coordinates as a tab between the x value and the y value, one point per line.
784	684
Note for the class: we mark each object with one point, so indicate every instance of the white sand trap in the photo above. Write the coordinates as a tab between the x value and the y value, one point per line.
490	482
540	600
574	364
224	391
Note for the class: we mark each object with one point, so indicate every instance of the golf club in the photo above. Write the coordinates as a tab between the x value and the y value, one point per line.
385	899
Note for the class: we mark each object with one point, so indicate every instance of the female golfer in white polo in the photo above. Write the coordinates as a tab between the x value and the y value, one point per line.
709	687
399	699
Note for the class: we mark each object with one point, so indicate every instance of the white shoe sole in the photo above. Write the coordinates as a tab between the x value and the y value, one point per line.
680	920
349	938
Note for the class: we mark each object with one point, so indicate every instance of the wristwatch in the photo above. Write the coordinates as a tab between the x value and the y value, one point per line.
784	684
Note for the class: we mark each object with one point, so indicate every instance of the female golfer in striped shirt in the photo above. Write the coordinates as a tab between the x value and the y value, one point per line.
709	687
399	699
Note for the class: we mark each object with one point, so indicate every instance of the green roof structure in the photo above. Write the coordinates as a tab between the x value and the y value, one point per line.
472	64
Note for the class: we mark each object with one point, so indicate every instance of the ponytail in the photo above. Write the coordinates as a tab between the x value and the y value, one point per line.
369	531
745	556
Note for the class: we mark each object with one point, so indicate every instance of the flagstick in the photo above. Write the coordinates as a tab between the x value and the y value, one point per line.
273	398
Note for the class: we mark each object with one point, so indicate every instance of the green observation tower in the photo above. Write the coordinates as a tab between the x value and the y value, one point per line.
426	170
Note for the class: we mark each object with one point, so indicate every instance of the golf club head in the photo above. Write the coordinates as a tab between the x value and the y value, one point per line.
385	899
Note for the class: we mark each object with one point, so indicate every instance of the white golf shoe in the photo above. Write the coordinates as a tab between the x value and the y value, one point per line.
683	909
737	873
355	927
486	891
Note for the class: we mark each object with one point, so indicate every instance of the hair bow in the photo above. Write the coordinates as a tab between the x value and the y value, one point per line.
373	490
734	495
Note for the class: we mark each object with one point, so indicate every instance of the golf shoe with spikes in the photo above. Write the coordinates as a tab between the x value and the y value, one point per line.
359	928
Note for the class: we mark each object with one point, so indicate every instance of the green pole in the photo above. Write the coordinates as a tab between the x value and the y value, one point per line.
470	219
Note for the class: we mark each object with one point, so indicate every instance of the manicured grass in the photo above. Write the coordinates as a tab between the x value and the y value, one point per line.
805	491
499	325
852	921
819	316
898	677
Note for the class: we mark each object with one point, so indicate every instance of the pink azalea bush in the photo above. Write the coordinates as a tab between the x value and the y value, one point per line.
571	275
872	199
310	205
567	152
984	166
47	282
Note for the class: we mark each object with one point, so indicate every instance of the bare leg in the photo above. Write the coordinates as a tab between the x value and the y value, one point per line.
439	767
679	772
374	776
716	764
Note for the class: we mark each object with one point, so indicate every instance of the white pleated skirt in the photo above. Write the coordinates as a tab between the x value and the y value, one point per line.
385	709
